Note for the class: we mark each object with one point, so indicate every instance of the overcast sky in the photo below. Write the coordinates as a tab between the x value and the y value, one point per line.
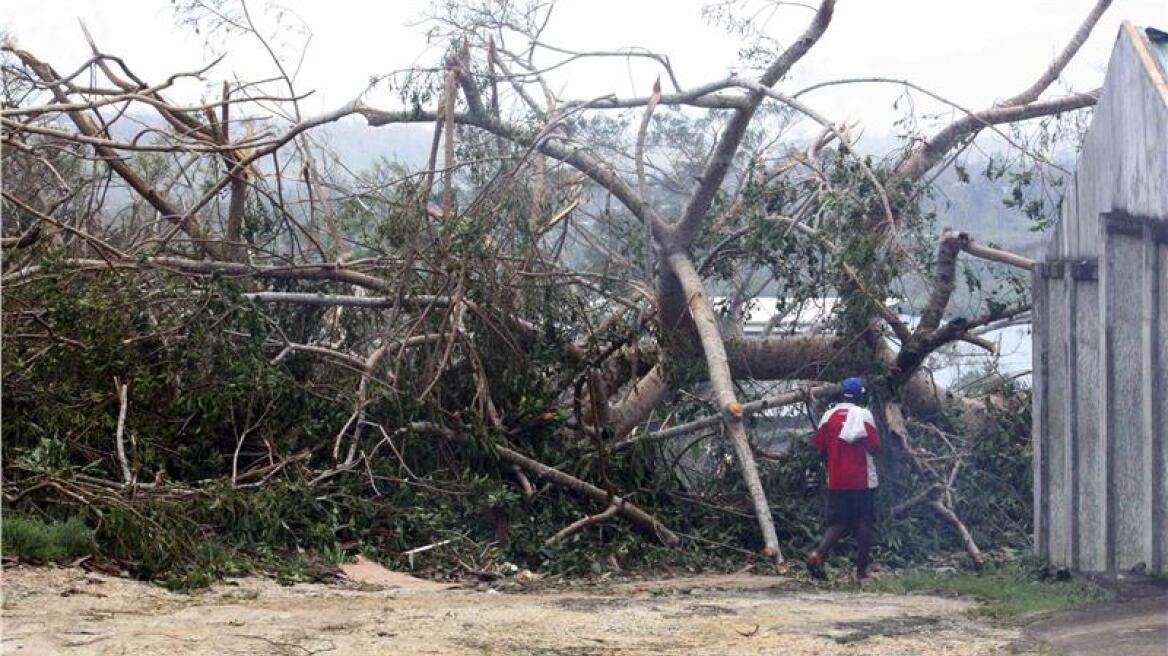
971	52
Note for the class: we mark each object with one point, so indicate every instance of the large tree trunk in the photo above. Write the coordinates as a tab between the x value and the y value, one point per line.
722	381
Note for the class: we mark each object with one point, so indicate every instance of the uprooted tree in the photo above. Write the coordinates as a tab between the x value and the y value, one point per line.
544	291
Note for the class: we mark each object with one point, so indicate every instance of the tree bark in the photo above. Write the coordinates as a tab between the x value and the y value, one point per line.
638	403
721	380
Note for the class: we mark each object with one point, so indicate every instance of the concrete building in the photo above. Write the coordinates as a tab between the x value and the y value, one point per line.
1101	334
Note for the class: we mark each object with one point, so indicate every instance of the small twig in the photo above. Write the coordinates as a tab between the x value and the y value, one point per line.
369	472
388	439
417	550
242	438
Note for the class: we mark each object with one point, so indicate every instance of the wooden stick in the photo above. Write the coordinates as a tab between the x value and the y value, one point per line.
966	538
123	405
585	522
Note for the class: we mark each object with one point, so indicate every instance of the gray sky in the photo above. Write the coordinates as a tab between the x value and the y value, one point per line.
971	52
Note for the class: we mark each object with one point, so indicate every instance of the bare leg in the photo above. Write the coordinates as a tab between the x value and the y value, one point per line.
830	537
863	548
817	557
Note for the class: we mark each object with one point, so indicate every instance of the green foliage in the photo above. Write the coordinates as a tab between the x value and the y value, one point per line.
206	399
194	360
203	386
45	541
992	490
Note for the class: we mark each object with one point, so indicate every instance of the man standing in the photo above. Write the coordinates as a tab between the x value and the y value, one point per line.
847	436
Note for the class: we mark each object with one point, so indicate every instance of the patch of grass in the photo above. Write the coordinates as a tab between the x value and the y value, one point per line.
1006	592
41	541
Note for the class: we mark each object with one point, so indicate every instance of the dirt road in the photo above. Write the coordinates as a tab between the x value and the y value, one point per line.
1133	623
68	611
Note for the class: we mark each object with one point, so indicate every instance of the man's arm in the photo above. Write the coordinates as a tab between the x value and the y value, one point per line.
821	436
829	428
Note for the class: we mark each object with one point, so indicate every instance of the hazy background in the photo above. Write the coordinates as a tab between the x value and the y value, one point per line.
970	52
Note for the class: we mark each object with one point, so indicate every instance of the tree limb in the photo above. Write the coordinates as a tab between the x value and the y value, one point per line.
583	523
720	159
750	408
119	439
625	509
919	160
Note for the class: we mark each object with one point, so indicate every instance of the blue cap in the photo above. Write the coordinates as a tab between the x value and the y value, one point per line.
853	387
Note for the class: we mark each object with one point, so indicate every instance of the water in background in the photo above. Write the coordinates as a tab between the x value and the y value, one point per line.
961	362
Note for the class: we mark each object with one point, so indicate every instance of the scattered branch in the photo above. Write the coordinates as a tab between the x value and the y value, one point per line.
123	406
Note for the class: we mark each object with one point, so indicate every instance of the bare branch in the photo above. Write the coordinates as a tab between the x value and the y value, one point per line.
642	185
552	146
753	407
1060	62
625	509
994	254
719	161
583	523
1020	107
123	405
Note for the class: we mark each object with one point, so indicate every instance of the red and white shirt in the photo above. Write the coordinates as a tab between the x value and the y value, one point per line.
847	435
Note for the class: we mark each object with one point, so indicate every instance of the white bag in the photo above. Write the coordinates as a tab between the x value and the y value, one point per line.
854	429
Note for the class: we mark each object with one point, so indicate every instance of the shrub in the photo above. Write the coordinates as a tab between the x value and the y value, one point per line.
41	541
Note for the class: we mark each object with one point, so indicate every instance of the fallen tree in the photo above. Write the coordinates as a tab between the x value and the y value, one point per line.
535	288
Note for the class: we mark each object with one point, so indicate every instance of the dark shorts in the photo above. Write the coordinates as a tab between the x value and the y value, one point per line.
851	507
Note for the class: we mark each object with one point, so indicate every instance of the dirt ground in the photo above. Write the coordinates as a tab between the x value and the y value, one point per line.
69	611
1134	622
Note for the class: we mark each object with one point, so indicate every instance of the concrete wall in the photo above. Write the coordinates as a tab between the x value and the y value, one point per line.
1101	336
1130	487
1159	403
1124	156
1090	450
